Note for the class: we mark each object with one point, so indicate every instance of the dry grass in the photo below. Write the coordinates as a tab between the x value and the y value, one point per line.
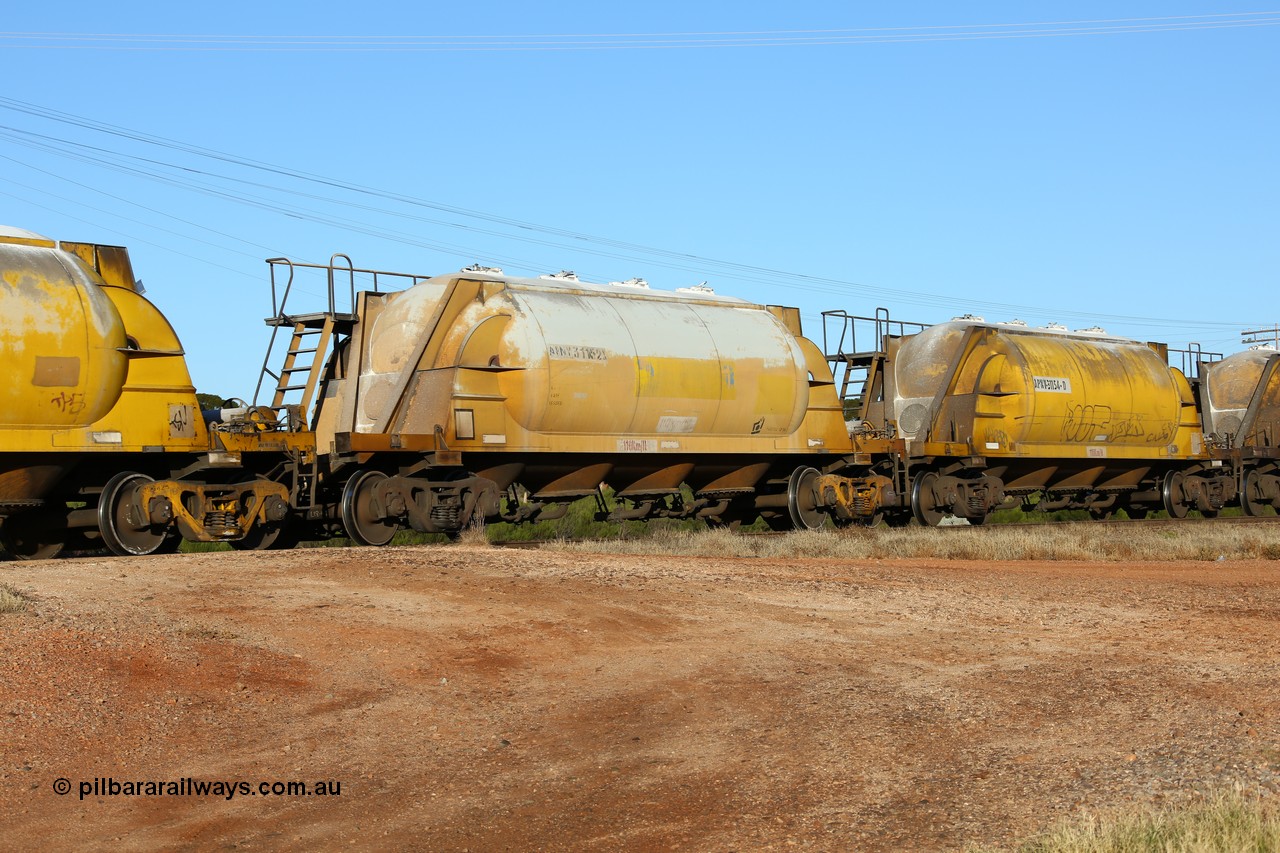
475	535
11	601
1227	823
1043	542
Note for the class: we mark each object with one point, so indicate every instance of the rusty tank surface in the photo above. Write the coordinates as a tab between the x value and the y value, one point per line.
62	338
580	367
1005	390
1241	412
1243	398
62	343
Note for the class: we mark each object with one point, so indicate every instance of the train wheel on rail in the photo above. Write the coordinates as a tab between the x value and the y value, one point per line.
867	521
363	523
802	504
1251	500
21	543
897	518
924	504
123	534
267	537
1173	495
780	523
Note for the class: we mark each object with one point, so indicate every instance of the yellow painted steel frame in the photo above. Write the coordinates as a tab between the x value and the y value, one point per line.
851	498
245	502
238	443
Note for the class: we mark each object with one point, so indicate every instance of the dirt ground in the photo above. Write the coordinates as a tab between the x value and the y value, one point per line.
486	699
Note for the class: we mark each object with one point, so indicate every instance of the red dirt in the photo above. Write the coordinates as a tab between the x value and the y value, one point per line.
483	699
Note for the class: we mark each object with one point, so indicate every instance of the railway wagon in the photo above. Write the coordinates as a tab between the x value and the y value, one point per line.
994	414
1241	411
482	395
98	407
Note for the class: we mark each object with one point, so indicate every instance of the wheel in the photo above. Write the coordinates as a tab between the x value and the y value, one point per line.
1137	513
172	542
924	503
267	537
1251	500
1175	500
122	533
860	521
802	504
26	545
979	520
364	524
780	523
897	518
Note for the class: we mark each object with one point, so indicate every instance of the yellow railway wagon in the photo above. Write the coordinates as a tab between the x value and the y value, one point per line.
542	390
98	415
994	412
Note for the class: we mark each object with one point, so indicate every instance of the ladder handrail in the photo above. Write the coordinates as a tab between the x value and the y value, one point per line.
330	324
1192	357
882	327
351	274
848	360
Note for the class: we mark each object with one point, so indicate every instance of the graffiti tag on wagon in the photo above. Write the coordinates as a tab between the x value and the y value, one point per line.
70	404
1086	422
577	353
1094	423
1127	428
181	421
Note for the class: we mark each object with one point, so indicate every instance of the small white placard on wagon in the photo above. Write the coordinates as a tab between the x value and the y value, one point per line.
1052	384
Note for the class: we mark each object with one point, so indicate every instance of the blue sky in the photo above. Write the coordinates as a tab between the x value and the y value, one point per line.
927	157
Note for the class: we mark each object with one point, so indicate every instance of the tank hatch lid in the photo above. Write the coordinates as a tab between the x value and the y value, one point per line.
628	290
23	237
1021	327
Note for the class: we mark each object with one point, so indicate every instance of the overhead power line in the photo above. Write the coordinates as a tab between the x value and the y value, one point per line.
1262	336
632	41
268	197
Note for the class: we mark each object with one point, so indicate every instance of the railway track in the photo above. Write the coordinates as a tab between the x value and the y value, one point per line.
1144	524
1151	522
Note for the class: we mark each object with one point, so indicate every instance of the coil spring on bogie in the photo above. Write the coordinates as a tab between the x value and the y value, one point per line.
862	505
217	521
977	505
446	515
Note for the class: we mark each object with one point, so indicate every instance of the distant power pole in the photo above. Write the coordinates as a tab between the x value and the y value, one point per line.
1262	336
